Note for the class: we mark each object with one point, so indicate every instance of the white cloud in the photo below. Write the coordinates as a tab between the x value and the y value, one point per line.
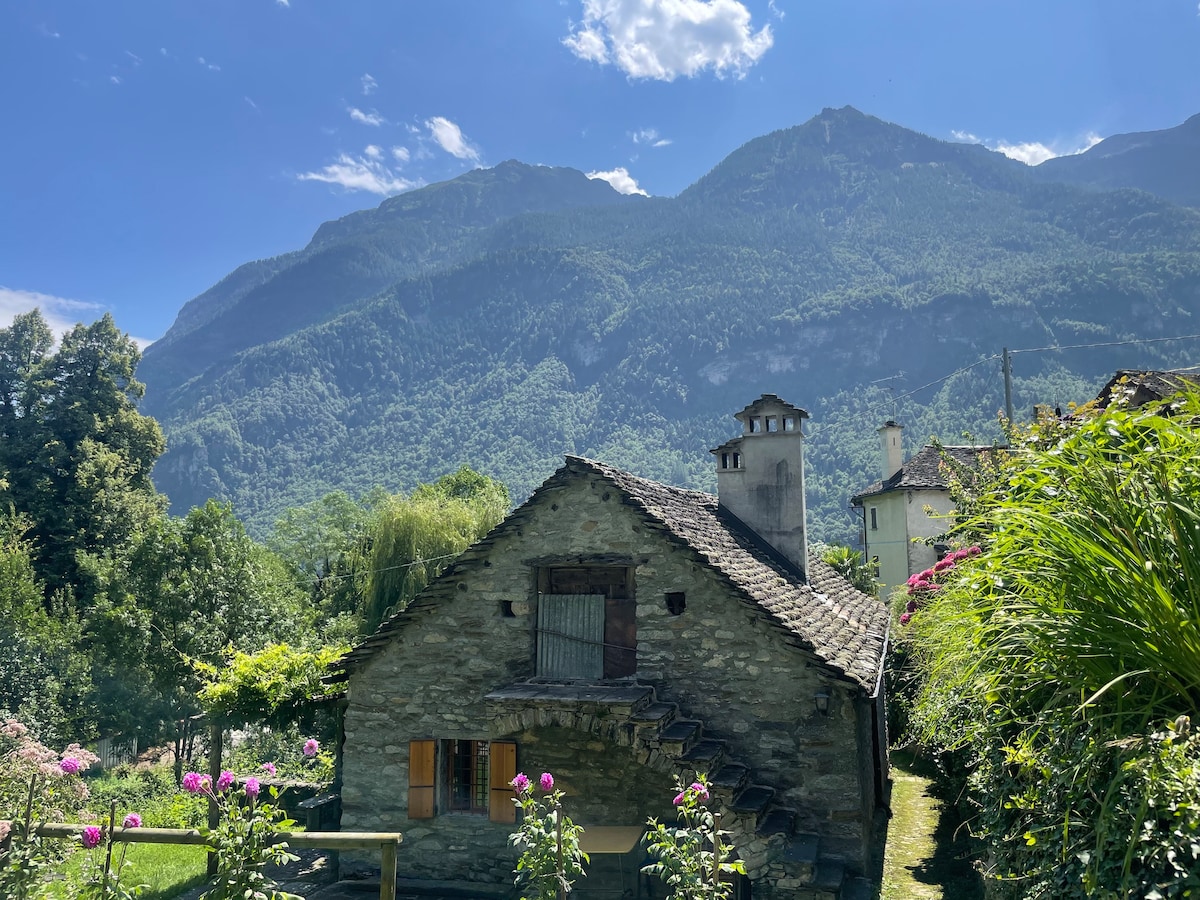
1032	153
212	67
60	313
137	60
115	79
369	84
775	10
400	154
450	138
253	105
45	31
663	39
372	118
162	50
362	173
620	179
283	3
649	136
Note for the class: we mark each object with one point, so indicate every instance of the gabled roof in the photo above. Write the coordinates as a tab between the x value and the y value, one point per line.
845	629
1132	388
924	471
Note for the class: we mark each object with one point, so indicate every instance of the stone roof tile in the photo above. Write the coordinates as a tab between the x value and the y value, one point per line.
924	471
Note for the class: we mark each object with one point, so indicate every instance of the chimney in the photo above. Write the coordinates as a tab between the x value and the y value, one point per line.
891	448
760	475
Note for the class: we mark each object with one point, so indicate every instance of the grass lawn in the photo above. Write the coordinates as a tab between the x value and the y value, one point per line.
927	856
169	870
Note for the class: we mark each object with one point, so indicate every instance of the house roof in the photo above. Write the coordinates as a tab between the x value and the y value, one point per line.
924	471
1133	388
845	629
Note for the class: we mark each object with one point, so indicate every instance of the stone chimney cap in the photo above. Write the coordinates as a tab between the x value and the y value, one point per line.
770	400
891	424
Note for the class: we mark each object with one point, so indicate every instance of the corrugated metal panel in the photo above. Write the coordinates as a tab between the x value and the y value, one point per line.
570	636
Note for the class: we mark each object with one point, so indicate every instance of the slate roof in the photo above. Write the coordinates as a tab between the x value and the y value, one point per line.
844	628
1132	388
924	471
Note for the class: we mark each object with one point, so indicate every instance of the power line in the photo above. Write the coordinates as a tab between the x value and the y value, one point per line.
1182	337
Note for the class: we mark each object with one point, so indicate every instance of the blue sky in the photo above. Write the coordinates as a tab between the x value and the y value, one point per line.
148	148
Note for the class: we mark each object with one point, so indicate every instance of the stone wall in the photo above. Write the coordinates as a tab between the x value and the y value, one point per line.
720	661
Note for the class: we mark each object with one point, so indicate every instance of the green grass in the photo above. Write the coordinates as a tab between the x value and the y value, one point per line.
927	856
167	869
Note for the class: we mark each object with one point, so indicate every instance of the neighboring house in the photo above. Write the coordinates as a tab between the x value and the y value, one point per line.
623	634
907	505
1133	388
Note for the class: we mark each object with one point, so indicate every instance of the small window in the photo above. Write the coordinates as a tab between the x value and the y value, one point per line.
737	460
676	602
724	460
874	520
467	776
789	423
755	424
772	424
506	609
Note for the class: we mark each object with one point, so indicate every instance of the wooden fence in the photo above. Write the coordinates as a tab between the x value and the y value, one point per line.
323	840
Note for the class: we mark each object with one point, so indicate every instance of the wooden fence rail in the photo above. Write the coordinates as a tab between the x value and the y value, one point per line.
387	842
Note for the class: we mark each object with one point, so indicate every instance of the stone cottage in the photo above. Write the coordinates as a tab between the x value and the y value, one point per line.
623	634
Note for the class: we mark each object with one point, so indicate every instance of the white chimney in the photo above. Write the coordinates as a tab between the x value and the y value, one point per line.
760	475
891	447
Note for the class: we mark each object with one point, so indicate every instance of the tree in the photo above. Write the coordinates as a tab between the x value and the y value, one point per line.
413	538
76	452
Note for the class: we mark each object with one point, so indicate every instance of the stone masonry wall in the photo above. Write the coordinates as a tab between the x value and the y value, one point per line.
719	660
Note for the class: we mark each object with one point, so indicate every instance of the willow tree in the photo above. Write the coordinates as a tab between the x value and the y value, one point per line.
412	539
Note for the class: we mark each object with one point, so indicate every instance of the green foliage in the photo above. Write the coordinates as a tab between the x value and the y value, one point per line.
850	565
692	855
1050	663
244	848
551	859
272	687
413	538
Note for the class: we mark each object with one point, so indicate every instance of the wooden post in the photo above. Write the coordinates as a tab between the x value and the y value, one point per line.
216	737
112	823
387	871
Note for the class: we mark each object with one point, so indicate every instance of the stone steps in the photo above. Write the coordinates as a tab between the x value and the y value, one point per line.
634	717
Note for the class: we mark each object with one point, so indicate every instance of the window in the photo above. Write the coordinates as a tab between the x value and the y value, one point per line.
874	520
755	424
724	460
789	423
463	776
467	776
772	424
587	622
676	602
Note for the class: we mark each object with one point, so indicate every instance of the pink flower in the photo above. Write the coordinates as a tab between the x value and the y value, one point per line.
974	551
269	768
520	784
311	747
69	765
944	563
206	782
252	788
192	782
925	576
698	790
906	618
5	828
679	798
91	836
225	781
133	820
547	782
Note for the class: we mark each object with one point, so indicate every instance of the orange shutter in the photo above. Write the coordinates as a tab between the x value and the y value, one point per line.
503	765
420	779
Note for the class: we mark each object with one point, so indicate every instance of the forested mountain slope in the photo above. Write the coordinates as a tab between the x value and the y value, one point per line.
813	263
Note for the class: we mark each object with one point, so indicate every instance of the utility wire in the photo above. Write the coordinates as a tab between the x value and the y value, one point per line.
1182	337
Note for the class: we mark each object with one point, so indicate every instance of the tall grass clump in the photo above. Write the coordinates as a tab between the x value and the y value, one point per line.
1057	670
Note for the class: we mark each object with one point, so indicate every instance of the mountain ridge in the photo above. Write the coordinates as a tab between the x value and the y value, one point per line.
809	263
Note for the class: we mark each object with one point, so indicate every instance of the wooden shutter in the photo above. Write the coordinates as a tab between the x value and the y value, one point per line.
571	636
503	760
420	779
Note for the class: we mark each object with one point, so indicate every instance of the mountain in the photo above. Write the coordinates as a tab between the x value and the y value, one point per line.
516	314
1166	163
